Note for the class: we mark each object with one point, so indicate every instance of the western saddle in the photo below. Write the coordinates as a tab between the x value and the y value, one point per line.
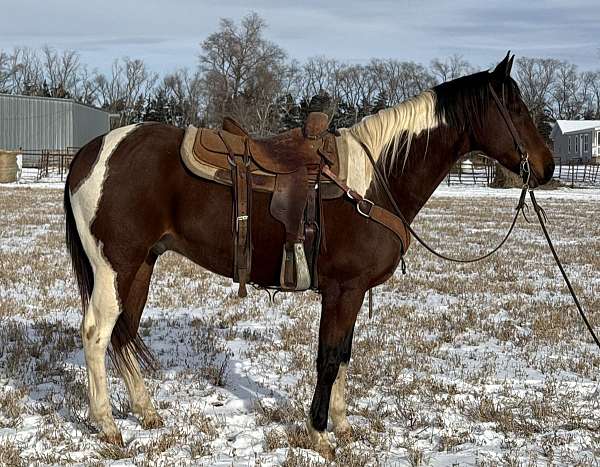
289	166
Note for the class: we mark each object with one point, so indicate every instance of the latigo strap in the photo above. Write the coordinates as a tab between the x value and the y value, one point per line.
242	194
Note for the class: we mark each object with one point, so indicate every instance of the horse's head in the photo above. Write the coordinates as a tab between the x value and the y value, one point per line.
493	136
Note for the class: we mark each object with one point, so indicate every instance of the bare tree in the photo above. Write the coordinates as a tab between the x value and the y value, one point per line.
590	94
566	100
357	90
61	72
244	75
288	111
414	79
240	68
451	68
595	93
26	75
187	93
127	88
400	80
321	74
86	88
5	72
46	72
536	78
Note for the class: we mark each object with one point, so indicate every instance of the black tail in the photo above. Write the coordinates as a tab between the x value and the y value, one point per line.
79	260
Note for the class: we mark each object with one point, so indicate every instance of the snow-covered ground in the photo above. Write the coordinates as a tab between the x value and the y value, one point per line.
484	364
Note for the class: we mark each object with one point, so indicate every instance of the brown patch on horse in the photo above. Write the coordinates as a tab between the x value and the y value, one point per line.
86	159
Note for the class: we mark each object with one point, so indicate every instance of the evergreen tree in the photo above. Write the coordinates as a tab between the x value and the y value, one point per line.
381	102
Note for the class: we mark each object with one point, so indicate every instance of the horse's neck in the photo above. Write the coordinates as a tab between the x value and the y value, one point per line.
428	162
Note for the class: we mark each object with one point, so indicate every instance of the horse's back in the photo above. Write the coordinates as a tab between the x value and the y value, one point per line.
122	143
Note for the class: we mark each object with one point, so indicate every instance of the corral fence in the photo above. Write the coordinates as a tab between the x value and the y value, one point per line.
39	164
47	163
472	170
479	170
578	172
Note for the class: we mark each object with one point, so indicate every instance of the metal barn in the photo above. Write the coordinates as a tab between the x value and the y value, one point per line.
41	123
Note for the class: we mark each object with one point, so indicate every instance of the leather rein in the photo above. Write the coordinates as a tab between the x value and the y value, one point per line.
390	220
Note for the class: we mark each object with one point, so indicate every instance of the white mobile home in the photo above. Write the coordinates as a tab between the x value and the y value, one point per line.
576	140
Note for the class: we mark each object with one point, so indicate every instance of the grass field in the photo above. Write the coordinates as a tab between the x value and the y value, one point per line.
484	364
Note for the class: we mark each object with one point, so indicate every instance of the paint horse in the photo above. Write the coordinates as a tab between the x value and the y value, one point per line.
128	198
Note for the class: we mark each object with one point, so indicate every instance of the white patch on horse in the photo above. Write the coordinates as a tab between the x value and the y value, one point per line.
96	328
91	189
337	401
385	134
86	199
104	307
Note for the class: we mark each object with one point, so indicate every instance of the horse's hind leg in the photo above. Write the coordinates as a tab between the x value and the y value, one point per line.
96	329
128	346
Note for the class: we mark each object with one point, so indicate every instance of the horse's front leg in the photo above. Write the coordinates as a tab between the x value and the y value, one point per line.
337	401
339	310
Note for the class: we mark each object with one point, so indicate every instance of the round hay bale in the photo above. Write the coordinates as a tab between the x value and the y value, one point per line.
8	166
504	178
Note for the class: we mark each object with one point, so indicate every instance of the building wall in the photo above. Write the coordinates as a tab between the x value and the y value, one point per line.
596	143
35	123
88	123
578	149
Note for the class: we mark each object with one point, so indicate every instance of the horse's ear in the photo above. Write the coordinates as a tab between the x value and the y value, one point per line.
502	70
509	66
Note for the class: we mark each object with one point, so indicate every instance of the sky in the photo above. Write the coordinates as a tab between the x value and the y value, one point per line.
167	33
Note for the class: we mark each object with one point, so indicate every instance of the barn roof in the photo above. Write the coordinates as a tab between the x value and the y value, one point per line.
58	100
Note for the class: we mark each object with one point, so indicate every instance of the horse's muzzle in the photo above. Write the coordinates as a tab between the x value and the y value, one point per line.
548	172
537	180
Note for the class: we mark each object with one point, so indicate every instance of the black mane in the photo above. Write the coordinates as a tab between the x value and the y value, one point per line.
463	103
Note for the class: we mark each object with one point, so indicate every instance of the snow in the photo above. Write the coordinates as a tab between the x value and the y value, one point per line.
460	365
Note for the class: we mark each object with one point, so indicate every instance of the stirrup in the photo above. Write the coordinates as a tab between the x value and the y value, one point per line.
294	274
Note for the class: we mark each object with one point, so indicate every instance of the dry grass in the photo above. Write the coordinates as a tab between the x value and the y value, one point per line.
488	361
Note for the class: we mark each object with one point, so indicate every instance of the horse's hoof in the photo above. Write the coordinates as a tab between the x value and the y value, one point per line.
321	443
344	432
151	422
112	438
325	450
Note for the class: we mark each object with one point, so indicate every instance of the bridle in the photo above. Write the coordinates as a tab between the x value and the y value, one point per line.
524	168
525	173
